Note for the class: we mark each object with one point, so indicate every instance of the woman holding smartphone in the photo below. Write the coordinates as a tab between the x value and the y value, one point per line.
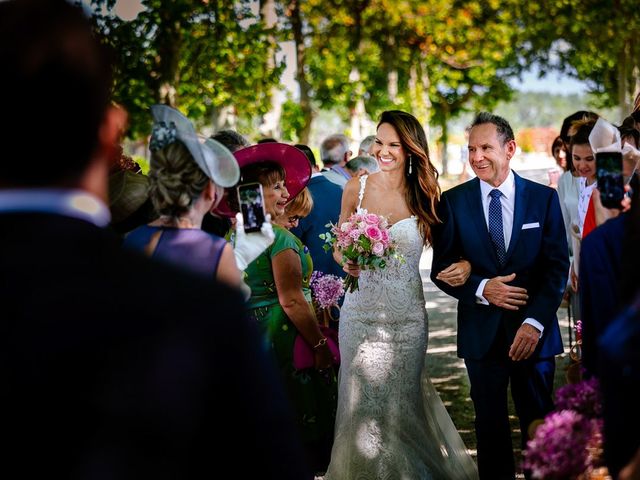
280	299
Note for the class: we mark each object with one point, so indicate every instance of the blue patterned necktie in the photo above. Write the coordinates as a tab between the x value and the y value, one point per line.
495	225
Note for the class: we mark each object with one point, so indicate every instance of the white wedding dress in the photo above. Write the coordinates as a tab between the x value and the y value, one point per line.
391	423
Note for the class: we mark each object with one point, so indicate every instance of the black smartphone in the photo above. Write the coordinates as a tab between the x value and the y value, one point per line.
610	179
251	200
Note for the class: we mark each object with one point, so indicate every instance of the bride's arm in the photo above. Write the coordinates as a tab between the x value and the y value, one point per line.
455	274
349	205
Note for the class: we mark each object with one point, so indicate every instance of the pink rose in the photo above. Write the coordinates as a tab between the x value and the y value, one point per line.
378	249
373	233
371	219
384	236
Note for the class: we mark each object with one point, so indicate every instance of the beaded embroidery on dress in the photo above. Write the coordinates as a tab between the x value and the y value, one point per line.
391	423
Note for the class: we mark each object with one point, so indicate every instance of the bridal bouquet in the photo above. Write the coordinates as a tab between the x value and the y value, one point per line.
364	239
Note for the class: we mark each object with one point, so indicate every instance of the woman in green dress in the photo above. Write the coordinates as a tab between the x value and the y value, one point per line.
280	298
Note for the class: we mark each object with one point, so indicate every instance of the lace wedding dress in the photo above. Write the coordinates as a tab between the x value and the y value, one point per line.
391	423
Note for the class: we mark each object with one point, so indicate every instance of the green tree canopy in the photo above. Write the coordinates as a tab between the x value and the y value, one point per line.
200	56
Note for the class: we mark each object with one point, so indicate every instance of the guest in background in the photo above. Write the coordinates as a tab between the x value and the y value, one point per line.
619	361
186	179
326	209
362	165
334	153
560	156
280	300
129	201
220	224
365	146
299	207
113	366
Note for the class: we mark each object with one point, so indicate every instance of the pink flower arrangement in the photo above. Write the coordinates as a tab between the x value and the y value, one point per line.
569	442
326	289
582	397
578	330
364	239
559	448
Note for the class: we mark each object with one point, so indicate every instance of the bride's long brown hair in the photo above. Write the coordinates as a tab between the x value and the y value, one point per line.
423	191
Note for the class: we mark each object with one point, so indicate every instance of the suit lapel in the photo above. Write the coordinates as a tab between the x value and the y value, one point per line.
474	204
519	210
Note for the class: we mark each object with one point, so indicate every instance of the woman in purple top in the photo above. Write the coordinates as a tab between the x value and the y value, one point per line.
186	178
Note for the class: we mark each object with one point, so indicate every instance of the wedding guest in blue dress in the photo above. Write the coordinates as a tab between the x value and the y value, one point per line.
186	179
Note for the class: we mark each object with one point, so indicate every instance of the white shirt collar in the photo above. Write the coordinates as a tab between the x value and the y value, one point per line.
508	187
70	203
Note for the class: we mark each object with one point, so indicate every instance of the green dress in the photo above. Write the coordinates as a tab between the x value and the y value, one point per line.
313	395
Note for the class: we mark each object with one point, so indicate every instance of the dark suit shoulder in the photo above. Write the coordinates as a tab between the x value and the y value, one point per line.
320	183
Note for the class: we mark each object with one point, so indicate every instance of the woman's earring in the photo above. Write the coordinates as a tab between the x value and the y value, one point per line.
410	164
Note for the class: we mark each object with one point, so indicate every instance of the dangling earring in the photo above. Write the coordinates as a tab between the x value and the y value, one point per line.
410	169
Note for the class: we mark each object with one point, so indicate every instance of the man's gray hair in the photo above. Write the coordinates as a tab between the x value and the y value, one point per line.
367	162
333	148
505	133
365	145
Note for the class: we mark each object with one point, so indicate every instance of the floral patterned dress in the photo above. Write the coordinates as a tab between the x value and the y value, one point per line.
313	395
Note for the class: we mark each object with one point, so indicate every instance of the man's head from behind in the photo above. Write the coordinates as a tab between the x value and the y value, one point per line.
56	82
334	150
365	145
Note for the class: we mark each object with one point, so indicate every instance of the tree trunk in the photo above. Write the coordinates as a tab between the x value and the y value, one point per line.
295	18
224	117
169	47
444	140
270	126
624	99
425	80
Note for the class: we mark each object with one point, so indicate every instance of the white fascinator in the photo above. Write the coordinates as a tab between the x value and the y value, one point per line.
213	158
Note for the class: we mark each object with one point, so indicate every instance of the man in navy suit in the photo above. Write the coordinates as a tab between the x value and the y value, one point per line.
112	366
327	197
511	231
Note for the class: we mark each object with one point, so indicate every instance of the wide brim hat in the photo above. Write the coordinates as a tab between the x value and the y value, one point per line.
213	158
128	191
293	161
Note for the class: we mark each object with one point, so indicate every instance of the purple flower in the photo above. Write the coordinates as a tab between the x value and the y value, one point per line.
558	449
583	397
326	289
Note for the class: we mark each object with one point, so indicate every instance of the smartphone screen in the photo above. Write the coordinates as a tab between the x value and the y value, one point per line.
251	200
610	179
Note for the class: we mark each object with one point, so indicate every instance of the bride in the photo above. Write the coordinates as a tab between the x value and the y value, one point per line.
391	423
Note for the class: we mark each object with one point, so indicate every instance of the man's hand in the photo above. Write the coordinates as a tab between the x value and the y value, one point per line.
455	274
524	343
498	293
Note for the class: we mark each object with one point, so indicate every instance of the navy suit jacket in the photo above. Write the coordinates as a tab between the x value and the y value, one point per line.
538	255
114	366
327	198
600	265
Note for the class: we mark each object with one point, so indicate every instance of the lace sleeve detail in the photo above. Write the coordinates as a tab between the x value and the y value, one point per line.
363	181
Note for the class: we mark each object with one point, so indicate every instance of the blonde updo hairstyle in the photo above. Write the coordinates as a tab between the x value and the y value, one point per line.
176	181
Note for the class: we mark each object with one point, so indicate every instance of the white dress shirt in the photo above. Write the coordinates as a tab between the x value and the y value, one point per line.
508	202
70	203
